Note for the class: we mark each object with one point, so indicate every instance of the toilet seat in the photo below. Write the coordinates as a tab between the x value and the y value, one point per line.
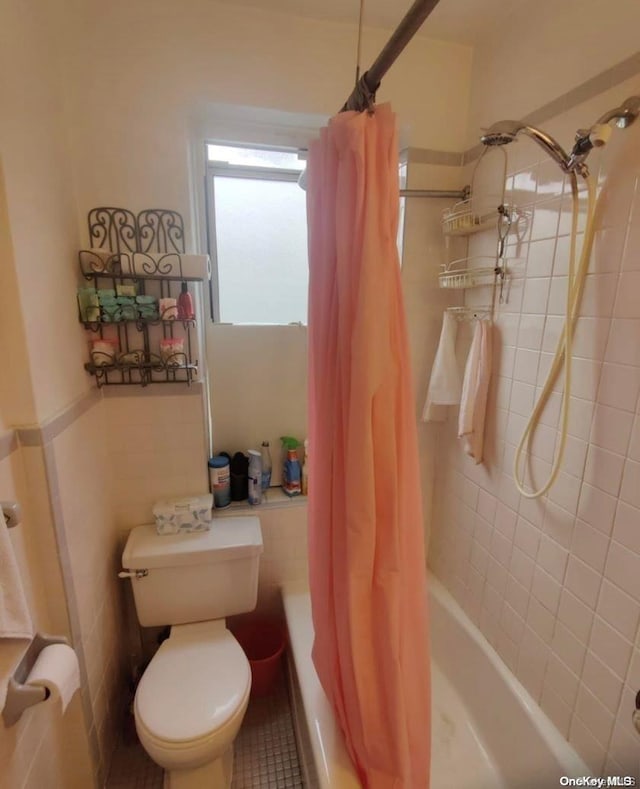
193	692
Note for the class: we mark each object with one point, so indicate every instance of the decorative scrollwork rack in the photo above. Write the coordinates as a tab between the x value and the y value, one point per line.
146	250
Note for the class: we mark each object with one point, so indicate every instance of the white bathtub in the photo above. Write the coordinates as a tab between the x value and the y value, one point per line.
487	732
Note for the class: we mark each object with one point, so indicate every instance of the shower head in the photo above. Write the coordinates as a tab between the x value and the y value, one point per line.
504	132
501	133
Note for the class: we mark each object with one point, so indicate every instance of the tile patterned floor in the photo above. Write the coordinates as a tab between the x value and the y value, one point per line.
265	752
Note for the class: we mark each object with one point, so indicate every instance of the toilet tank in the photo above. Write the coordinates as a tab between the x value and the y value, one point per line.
194	577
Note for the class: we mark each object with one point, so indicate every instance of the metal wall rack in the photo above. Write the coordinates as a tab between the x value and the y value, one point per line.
144	250
473	215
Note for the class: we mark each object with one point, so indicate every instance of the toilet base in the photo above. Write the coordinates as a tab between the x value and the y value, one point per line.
213	775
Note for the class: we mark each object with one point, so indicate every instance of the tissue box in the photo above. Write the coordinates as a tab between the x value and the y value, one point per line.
189	514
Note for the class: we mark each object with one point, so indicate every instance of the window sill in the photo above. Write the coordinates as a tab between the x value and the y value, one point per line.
274	499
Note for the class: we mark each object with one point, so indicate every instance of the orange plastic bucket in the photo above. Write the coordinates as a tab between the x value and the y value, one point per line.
263	643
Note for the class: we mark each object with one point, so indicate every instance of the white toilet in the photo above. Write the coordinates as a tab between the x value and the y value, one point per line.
192	698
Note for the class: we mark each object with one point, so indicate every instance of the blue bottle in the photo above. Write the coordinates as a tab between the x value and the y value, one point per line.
292	482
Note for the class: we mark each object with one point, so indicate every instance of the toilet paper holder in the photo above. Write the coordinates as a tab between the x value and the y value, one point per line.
19	695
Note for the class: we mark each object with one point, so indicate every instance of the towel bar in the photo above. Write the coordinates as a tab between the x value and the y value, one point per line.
20	696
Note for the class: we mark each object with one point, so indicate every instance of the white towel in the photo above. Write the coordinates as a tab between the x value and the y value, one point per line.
475	388
169	264
444	385
15	620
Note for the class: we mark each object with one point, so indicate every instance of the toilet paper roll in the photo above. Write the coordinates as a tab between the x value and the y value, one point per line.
56	669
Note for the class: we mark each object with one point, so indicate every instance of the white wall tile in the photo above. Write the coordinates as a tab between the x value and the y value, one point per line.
552	557
597	508
626	526
623	346
601	681
583	581
630	492
566	566
546	589
612	649
626	303
590	545
619	610
575	615
622	569
619	386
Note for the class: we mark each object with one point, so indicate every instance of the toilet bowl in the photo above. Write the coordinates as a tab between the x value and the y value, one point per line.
190	703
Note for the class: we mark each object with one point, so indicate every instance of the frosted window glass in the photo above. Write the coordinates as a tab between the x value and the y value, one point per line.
261	236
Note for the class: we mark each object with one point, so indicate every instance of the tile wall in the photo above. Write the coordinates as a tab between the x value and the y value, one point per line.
79	461
554	584
44	748
157	449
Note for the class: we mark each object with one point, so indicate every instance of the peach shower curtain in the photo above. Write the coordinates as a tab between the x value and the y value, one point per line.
366	545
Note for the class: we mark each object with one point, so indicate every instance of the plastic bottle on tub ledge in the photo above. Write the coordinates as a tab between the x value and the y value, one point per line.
291	470
255	477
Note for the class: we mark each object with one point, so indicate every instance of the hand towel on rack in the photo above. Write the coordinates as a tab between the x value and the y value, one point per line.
444	384
475	388
15	620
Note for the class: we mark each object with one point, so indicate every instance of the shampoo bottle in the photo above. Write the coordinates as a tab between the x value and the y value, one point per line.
185	304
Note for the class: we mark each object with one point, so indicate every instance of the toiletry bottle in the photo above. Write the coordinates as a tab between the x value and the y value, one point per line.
185	304
266	466
239	468
291	471
219	481
305	469
255	477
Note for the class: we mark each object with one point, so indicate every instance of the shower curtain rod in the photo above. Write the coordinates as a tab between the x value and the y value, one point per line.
369	82
461	194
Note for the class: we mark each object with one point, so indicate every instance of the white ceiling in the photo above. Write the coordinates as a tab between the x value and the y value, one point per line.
465	21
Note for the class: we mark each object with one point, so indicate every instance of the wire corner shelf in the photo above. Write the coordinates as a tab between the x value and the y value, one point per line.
470	272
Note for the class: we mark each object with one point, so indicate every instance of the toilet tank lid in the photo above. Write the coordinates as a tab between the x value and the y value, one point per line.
228	538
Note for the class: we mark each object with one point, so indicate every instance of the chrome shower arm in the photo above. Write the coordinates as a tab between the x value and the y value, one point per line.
549	144
624	115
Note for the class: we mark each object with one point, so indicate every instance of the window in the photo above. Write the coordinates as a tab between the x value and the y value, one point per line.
257	231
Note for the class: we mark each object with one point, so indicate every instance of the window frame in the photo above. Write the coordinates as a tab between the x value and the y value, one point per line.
215	168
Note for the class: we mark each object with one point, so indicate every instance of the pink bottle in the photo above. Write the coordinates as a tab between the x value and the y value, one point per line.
185	305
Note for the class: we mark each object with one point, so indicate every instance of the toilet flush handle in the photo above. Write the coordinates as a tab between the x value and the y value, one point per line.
133	573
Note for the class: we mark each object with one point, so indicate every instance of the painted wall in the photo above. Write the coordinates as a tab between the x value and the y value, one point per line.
40	208
553	583
542	50
140	73
144	93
